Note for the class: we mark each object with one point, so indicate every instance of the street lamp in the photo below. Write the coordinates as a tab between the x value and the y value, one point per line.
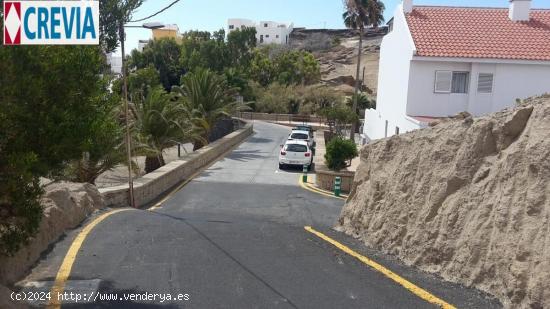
152	25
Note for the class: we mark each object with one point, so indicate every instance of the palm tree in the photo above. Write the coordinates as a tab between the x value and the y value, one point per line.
208	97
358	15
375	10
160	123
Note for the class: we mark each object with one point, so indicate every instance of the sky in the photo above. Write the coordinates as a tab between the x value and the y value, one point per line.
211	15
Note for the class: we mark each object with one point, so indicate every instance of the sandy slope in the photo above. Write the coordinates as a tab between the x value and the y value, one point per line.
468	199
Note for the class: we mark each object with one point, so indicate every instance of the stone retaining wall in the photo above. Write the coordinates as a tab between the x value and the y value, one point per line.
325	179
151	186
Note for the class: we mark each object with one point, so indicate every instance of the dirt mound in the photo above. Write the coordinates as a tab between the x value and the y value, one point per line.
66	205
468	199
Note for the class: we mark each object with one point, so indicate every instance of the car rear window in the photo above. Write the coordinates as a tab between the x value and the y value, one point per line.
299	136
296	148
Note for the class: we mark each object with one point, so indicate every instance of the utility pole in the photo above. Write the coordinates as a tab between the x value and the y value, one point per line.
131	201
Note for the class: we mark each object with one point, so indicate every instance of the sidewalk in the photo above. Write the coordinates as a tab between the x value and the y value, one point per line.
119	175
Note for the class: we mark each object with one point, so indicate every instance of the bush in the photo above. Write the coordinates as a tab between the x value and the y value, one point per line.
339	151
20	210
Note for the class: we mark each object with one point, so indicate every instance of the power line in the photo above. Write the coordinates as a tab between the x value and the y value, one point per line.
153	15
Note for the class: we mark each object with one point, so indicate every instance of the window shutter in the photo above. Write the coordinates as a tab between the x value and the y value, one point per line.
485	83
443	81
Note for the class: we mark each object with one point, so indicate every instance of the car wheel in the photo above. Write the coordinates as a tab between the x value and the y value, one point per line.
281	166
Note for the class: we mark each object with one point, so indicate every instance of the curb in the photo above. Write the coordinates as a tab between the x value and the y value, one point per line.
310	187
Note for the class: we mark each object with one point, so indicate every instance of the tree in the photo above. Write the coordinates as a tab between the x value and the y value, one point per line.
159	123
297	67
338	117
141	81
363	101
54	94
277	98
20	211
208	98
287	67
103	151
375	10
164	55
241	43
53	102
358	15
318	97
261	69
112	13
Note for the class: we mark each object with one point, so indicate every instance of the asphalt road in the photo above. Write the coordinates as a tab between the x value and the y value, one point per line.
234	238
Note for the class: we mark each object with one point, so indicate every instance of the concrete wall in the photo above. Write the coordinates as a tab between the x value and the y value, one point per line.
151	186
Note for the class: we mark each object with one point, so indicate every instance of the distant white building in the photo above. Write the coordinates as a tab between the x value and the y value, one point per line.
267	32
115	62
437	61
142	44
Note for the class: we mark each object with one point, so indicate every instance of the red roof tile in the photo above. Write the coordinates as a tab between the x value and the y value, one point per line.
479	33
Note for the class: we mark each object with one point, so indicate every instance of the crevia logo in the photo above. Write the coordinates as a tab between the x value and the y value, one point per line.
51	22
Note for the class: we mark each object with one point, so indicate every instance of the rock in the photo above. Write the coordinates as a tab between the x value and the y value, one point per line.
65	205
468	199
346	80
6	302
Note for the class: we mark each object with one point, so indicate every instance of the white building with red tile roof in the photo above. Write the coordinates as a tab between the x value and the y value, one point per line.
438	61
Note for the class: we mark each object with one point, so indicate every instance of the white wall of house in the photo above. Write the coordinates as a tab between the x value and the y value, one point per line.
510	82
513	81
422	98
396	52
406	84
267	32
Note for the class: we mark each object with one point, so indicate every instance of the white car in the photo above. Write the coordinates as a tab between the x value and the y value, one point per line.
300	135
295	152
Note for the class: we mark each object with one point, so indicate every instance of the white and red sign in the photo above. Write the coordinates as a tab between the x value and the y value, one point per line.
51	22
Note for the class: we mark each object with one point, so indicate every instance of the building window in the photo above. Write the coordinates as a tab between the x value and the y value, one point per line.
277	36
267	36
265	25
485	83
451	82
231	27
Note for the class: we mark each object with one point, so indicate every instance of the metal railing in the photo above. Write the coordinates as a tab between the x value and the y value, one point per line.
283	118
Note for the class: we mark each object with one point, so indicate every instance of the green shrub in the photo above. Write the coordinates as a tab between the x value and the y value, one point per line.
339	151
20	210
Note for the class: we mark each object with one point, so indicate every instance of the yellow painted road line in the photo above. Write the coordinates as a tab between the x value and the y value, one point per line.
309	187
67	264
418	291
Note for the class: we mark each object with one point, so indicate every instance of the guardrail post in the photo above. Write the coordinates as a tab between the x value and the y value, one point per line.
337	186
305	169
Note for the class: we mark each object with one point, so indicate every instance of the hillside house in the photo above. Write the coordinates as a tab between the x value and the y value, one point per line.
267	32
438	61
